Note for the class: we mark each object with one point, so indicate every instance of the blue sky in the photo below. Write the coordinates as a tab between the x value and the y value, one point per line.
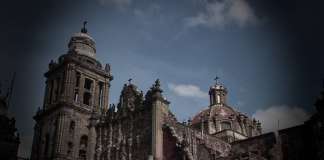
184	43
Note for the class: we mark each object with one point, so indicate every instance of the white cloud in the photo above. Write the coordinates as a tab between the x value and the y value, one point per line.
287	116
221	13
187	90
120	4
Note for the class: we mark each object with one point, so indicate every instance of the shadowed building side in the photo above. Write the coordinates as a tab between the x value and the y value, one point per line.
9	137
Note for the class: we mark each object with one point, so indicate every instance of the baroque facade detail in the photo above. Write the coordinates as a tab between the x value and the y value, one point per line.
77	122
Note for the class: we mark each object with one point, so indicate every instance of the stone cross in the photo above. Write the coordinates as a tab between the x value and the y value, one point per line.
130	81
216	79
84	30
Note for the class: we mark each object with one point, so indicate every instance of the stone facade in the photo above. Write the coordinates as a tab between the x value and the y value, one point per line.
76	121
77	87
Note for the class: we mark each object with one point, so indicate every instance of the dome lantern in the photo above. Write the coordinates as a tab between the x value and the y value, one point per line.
217	94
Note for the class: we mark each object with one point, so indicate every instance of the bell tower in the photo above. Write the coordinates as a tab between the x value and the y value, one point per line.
77	89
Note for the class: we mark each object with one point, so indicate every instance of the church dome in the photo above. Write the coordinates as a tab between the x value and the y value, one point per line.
82	43
219	117
219	113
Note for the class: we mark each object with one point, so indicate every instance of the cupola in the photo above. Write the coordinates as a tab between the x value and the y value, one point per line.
217	94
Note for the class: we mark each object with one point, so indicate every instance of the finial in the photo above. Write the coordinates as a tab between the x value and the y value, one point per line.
216	79
157	83
130	81
84	29
107	68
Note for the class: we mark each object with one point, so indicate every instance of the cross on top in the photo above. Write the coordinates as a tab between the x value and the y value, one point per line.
84	30
130	81
84	24
216	79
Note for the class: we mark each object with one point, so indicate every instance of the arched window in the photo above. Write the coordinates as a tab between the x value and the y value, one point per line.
88	84
225	125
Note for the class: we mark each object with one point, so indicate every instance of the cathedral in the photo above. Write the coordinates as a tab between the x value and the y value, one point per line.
77	121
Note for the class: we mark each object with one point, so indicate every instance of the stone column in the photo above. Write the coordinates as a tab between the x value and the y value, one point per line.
96	94
92	138
93	91
105	96
157	133
81	88
60	142
98	145
110	138
69	83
